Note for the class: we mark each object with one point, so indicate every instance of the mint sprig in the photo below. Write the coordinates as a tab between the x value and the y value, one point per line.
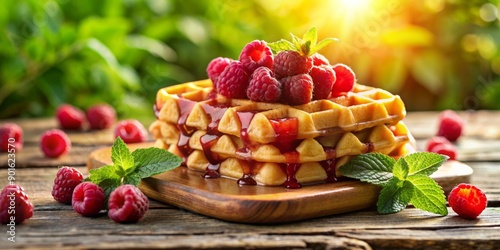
403	181
306	46
130	167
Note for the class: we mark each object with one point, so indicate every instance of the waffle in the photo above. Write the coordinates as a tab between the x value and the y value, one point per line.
276	144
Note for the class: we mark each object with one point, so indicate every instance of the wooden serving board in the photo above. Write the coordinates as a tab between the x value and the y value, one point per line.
224	199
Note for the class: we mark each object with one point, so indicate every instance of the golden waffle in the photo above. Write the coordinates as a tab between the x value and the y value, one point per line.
276	144
364	107
381	138
276	174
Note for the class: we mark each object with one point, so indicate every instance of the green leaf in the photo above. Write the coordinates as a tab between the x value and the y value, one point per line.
98	175
311	36
133	179
281	45
109	185
322	44
424	163
394	197
152	161
374	168
427	195
401	169
121	156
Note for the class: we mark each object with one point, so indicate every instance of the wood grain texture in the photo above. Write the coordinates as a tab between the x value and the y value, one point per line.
224	199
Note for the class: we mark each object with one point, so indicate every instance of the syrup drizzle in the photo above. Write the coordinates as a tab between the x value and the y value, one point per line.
215	112
185	108
245	152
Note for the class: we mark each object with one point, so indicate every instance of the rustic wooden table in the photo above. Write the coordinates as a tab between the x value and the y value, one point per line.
58	226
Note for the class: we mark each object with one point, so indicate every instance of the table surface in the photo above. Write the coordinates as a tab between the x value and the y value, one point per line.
54	225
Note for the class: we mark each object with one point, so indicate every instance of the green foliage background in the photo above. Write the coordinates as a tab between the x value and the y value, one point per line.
122	51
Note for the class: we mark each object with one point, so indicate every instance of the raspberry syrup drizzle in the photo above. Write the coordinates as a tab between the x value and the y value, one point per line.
245	152
185	108
286	130
215	112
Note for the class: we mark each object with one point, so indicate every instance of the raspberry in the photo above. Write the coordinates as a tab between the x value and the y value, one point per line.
467	200
435	141
70	117
88	199
55	143
14	203
323	78
345	79
233	81
65	182
319	60
290	62
127	204
131	131
215	68
256	54
264	87
11	133
101	116
297	89
447	149
450	125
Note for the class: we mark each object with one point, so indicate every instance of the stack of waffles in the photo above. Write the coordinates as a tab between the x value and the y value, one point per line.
275	144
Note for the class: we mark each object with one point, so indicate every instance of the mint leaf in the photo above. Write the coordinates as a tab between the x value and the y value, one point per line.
427	195
374	168
121	156
133	179
322	44
311	37
405	180
395	196
130	168
306	46
153	161
109	185
401	169
108	172
281	45
424	163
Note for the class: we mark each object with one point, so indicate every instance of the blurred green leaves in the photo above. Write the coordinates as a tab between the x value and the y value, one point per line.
435	54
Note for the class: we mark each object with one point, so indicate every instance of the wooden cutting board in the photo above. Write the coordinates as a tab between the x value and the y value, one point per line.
224	199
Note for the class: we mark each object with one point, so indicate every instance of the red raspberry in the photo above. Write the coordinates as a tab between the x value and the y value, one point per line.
127	204
67	178
467	201
14	204
450	125
70	117
215	68
290	62
233	81
345	79
447	149
55	143
131	131
323	79
435	141
101	116
441	145
319	60
11	133
297	89
256	54
88	199
264	87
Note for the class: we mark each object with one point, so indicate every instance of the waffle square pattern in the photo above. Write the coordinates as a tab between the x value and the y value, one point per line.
275	144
